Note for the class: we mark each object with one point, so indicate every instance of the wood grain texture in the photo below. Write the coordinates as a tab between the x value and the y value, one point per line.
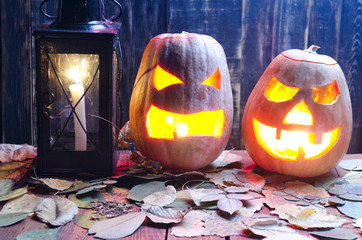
16	71
256	43
141	21
350	60
222	21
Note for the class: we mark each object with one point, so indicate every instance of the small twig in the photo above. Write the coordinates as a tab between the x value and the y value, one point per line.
202	182
114	125
335	180
84	236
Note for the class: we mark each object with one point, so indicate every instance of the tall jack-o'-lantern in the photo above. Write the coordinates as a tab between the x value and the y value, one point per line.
181	106
298	118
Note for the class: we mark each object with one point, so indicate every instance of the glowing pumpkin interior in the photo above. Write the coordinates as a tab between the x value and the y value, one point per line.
296	145
162	124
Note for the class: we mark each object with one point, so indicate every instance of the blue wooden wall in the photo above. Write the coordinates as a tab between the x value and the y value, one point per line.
252	33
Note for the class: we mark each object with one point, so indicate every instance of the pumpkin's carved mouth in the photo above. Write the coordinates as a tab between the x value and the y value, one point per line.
293	145
162	124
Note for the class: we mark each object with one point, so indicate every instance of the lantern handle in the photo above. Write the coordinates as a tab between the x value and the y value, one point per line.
43	12
120	10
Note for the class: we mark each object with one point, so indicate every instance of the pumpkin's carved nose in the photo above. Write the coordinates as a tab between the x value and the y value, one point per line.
299	114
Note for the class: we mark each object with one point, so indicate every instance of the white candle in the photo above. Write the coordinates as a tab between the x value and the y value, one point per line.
77	90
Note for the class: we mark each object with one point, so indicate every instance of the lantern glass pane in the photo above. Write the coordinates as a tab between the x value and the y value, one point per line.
73	86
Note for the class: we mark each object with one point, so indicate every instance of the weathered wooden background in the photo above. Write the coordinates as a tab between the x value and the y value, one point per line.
251	32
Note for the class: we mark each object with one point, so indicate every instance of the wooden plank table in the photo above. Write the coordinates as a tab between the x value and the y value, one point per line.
148	230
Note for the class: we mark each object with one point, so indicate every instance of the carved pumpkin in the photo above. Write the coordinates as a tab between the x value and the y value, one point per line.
181	105
298	118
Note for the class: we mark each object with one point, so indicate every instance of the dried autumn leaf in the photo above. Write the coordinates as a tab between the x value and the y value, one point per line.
14	152
309	218
87	189
5	186
139	192
358	222
223	226
83	201
245	179
110	182
80	184
7	219
241	196
212	197
277	198
56	183
218	177
334	200
286	210
226	159
15	193
252	205
355	164
270	227
196	195
15	170
229	205
25	203
165	215
56	210
161	198
40	234
351	209
357	190
234	189
192	224
350	197
338	189
288	236
336	233
85	220
118	227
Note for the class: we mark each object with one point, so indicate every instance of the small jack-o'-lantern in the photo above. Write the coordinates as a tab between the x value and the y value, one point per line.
181	106
298	118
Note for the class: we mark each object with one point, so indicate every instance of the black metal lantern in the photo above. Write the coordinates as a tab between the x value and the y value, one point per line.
78	59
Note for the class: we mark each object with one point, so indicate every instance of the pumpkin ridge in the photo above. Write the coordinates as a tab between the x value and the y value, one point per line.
296	60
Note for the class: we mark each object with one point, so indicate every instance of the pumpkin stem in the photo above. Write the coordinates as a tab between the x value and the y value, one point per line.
312	49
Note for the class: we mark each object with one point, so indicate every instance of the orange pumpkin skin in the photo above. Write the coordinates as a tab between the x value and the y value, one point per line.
314	77
191	58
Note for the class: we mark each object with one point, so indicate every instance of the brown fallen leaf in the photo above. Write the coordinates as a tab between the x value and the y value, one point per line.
192	225
270	227
310	218
252	181
161	198
24	203
229	205
223	225
56	183
16	170
14	152
165	215
14	193
336	233
118	227
56	210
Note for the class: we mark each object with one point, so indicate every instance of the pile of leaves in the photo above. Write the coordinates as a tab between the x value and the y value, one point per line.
224	199
16	161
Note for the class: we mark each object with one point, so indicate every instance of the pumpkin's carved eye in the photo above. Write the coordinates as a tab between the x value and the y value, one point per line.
327	94
214	80
162	78
278	92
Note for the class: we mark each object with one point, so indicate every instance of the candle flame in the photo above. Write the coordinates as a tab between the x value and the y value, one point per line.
76	75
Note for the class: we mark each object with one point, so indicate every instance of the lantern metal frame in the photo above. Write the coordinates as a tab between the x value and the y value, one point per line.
105	44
